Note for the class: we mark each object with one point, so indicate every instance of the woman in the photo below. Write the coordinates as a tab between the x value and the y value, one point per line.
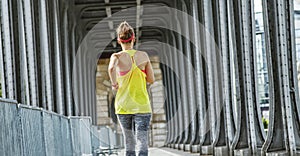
132	104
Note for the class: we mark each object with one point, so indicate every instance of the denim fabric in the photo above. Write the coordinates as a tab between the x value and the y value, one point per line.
135	130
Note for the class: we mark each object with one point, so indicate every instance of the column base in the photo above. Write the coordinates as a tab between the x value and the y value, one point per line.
281	153
207	150
181	147
172	146
187	147
222	151
176	146
195	148
242	152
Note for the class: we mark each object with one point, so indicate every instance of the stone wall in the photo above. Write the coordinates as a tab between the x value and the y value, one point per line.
156	90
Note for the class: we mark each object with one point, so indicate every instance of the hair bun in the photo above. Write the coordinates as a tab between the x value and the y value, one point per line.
125	31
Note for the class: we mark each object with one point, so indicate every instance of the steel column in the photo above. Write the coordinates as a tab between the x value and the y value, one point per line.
184	83
2	77
59	89
199	73
229	76
8	90
174	103
67	55
283	133
74	80
221	143
46	57
209	128
183	94
189	65
30	45
24	88
178	105
250	135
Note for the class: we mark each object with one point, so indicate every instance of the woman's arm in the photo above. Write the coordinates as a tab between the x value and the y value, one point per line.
149	70
112	70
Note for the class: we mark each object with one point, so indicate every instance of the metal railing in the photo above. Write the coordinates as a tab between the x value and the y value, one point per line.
30	131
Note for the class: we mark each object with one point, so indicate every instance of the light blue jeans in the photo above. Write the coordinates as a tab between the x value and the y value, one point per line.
135	130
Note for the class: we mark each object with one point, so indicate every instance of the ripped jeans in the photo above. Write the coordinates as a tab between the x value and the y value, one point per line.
135	130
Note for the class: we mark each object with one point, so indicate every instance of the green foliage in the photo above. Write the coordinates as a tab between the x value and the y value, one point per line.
265	123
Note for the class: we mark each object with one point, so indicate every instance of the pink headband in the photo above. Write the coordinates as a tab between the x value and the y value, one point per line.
125	41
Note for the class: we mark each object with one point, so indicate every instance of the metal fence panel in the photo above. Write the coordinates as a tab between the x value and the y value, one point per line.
49	134
75	132
32	131
85	135
95	138
56	119
104	137
10	142
66	140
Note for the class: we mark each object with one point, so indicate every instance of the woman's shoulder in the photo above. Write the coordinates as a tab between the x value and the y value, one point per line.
118	54
142	53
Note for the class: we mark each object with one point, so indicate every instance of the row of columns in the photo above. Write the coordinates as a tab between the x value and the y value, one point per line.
37	52
215	91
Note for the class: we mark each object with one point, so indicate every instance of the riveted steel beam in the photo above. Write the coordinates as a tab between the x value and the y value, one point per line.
249	136
229	75
175	90
184	74
172	106
183	93
199	88
222	82
179	122
178	106
191	77
208	127
284	131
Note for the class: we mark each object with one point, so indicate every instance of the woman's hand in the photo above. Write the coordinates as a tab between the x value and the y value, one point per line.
115	87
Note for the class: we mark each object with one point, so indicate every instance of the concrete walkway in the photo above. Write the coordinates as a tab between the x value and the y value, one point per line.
165	152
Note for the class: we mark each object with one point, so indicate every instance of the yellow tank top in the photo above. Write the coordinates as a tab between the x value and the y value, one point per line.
132	96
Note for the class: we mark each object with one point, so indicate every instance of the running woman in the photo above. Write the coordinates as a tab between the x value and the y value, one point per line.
130	70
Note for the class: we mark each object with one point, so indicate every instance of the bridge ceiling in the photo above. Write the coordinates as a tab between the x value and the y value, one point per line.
91	12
